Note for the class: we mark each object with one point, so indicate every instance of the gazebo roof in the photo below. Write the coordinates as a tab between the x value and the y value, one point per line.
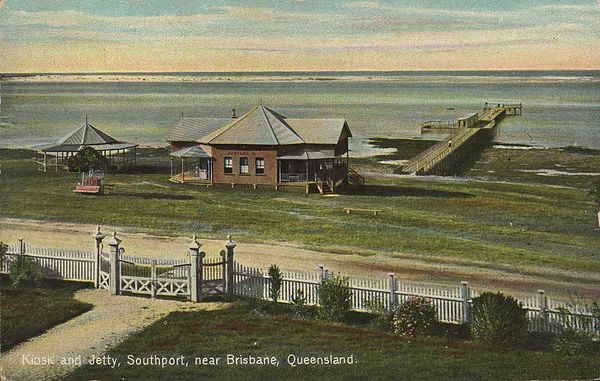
87	136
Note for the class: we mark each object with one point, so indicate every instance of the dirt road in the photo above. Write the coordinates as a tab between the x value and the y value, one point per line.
412	268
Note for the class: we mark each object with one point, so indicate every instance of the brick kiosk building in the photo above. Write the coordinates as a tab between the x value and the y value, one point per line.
262	148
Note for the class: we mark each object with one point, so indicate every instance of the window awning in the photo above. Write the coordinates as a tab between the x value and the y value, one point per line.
194	151
308	154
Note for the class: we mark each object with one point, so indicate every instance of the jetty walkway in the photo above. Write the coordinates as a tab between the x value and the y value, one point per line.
444	157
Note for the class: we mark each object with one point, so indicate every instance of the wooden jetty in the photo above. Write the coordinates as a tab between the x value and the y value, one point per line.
444	157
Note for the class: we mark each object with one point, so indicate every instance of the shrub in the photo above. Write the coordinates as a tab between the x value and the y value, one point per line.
416	316
3	251
572	342
299	303
276	280
24	270
499	319
86	159
335	298
384	318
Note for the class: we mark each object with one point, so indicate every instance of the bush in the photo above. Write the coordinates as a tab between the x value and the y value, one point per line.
335	298
416	316
86	159
24	270
384	318
499	319
276	280
3	251
299	302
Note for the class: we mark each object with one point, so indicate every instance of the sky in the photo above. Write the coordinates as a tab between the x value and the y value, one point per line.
297	35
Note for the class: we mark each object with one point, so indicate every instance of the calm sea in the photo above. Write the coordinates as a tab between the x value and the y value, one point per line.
561	108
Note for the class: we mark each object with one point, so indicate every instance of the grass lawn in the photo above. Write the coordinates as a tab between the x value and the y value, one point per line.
245	330
28	311
466	220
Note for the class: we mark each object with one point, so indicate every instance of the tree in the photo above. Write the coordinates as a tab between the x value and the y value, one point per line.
335	298
86	159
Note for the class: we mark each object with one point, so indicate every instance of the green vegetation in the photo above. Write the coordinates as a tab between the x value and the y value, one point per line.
28	311
244	329
86	159
434	219
276	280
499	320
335	298
595	192
414	317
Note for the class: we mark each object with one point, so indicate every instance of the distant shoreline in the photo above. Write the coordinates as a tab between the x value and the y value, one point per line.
592	76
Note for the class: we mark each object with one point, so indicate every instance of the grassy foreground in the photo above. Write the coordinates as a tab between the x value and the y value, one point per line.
243	331
28	311
466	220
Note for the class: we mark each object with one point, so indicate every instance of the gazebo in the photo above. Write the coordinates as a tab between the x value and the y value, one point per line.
120	154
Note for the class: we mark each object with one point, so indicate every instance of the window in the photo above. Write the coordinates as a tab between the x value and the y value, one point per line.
260	166
243	165
228	165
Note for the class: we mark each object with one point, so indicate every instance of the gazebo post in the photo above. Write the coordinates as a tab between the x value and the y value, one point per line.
182	171
307	161
171	166
45	163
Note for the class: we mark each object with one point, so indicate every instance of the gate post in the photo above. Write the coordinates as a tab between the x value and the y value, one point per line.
21	246
99	237
541	302
153	279
195	269
466	295
115	264
230	246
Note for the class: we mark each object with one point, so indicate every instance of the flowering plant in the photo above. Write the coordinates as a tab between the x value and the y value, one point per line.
414	317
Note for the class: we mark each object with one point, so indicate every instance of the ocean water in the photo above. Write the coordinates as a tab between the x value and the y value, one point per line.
559	108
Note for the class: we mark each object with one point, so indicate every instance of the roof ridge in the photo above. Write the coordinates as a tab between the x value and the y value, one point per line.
262	108
277	116
228	126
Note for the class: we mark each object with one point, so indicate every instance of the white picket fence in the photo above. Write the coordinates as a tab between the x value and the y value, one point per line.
157	277
56	263
452	304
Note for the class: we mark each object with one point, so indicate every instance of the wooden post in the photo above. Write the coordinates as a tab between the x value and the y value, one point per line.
392	287
153	279
465	292
115	265
21	246
230	246
195	269
541	302
99	237
321	273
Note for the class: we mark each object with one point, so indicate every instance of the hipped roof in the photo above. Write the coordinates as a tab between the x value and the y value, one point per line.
87	136
261	126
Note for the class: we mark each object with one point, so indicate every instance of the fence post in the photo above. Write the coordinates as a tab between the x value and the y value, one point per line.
99	237
153	279
393	296
321	273
115	264
195	269
230	246
21	246
541	302
465	293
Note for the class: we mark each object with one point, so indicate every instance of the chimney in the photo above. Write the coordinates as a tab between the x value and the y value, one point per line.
233	116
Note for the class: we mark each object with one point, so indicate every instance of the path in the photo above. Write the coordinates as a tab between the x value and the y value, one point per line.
518	280
110	321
